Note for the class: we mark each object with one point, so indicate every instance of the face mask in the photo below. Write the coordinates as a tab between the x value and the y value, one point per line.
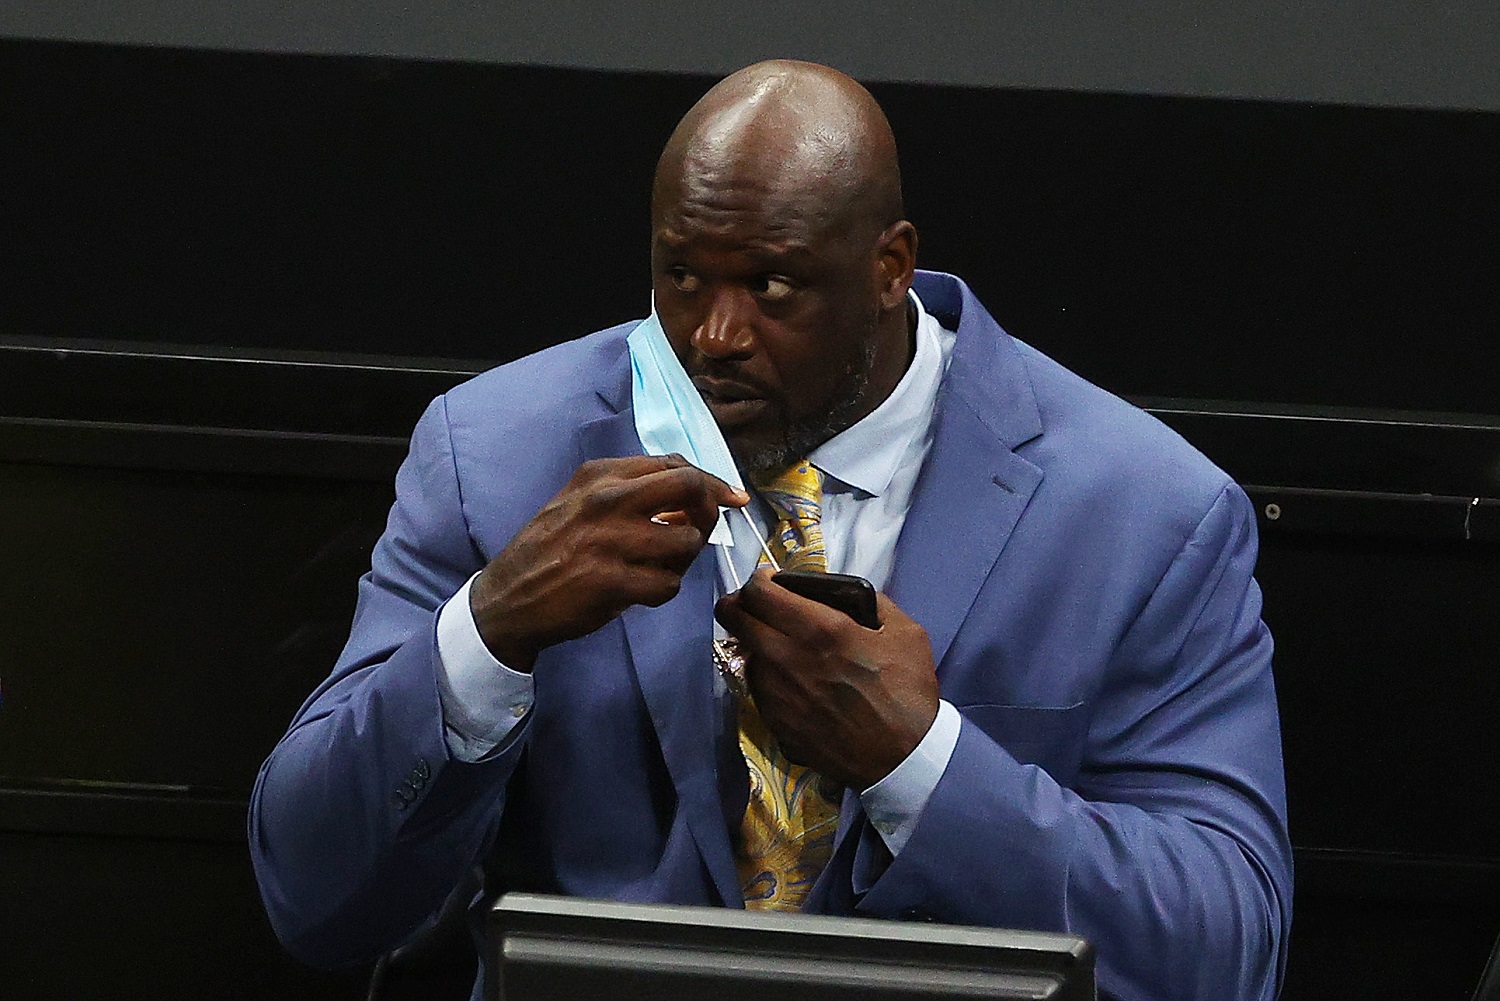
670	416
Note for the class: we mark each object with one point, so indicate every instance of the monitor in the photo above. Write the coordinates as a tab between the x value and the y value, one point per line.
544	948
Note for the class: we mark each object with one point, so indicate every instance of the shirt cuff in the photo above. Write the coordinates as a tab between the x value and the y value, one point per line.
895	803
482	699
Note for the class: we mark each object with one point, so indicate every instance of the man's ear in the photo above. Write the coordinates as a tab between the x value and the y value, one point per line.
896	259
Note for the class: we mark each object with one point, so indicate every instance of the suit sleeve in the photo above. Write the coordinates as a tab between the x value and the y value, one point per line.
1169	852
361	822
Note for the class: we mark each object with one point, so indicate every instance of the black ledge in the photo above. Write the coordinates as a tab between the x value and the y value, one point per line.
1329	470
1352	471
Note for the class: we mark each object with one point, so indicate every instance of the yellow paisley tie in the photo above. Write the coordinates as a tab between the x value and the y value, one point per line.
787	834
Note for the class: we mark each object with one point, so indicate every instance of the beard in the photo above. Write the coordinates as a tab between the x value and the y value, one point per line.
795	438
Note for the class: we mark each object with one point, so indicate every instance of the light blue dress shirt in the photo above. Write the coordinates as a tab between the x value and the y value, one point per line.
870	471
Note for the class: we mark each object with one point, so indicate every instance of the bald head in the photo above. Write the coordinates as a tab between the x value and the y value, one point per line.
810	139
780	259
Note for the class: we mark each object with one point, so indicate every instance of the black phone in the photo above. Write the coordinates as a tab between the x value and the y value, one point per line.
854	596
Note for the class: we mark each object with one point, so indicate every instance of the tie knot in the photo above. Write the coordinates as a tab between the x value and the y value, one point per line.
796	491
796	496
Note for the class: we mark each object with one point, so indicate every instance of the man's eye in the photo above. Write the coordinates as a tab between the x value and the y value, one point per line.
683	279
770	287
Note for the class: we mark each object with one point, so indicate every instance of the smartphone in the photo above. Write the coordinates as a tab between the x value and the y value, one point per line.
854	596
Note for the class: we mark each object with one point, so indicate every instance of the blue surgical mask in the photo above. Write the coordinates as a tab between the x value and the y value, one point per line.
670	416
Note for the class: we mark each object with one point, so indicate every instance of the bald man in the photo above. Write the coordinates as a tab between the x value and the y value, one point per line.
1065	720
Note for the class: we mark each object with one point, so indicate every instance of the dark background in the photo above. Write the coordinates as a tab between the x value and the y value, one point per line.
229	281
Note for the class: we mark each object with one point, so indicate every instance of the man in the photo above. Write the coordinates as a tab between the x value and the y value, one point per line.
1065	721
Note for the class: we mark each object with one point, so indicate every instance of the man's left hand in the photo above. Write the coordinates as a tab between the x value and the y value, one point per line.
847	701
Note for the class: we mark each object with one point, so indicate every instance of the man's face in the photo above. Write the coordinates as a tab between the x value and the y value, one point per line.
772	311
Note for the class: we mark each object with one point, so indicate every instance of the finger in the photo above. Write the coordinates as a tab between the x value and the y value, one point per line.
807	621
720	492
780	686
730	615
673	547
640	465
627	583
645	542
680	488
627	467
750	631
652	586
694	495
725	495
766	645
888	610
705	513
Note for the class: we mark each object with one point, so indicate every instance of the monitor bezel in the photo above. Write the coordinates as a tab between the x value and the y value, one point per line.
532	930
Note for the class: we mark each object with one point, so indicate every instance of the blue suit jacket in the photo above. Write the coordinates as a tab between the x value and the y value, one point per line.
1084	576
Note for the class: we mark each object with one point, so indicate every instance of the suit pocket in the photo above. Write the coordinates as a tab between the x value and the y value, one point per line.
1051	737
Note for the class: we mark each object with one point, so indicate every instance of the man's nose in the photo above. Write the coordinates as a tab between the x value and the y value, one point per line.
728	330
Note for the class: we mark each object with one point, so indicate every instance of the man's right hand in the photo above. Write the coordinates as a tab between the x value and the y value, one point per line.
622	532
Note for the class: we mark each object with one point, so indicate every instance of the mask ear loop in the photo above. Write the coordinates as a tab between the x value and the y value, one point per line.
727	656
762	540
764	547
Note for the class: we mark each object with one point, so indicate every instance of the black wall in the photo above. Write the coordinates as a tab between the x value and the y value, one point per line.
230	281
1165	246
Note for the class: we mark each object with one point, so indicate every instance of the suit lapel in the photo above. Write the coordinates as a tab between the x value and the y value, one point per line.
670	649
969	497
965	507
973	487
670	652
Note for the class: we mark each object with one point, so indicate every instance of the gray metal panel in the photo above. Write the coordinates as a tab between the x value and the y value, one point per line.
1396	52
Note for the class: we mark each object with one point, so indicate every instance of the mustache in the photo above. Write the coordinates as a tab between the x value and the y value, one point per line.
725	383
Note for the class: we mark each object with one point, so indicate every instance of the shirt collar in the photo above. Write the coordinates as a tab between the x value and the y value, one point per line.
867	454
